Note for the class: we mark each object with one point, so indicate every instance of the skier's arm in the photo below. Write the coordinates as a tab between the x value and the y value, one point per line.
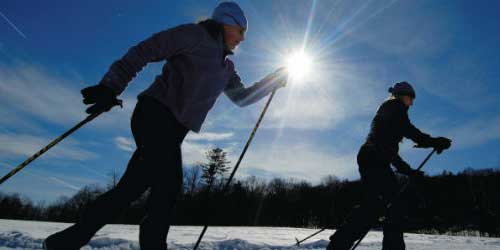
161	46
404	168
423	140
242	96
401	165
410	131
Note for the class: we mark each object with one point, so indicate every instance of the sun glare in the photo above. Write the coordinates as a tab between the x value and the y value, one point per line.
299	65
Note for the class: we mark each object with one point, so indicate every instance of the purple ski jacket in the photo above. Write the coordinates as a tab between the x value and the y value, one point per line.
195	74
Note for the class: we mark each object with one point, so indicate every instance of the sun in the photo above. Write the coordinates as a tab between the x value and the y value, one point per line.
299	65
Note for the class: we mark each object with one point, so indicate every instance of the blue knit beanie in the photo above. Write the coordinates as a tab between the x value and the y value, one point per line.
402	88
231	14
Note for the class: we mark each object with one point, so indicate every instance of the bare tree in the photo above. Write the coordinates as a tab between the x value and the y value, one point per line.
114	179
192	177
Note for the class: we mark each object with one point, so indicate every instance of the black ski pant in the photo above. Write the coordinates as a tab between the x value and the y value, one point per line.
380	187
155	165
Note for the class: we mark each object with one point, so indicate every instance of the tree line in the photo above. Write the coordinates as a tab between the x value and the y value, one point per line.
466	201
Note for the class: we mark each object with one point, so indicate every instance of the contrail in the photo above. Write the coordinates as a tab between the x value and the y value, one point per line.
48	179
13	26
65	183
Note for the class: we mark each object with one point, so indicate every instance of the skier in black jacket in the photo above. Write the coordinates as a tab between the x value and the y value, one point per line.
389	126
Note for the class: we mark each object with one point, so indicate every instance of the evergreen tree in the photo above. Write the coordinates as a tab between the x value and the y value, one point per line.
216	166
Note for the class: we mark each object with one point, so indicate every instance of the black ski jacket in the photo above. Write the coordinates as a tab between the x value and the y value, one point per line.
389	126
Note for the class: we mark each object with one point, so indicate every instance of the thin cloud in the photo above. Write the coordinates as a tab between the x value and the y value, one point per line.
465	85
406	37
209	136
125	144
301	161
474	133
13	25
22	145
32	90
29	91
192	150
12	119
193	153
465	135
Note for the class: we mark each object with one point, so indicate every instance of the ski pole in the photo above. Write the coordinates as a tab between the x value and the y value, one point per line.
226	186
317	232
46	148
310	236
397	195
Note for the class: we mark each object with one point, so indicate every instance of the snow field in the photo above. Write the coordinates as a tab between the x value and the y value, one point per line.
16	234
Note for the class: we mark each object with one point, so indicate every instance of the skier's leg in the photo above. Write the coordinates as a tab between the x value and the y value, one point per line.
108	205
162	161
163	195
358	223
393	239
372	170
103	210
393	226
393	233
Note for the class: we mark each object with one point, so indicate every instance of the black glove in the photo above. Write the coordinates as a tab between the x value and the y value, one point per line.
440	144
102	98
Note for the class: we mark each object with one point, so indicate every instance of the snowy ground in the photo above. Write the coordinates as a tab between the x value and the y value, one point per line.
29	235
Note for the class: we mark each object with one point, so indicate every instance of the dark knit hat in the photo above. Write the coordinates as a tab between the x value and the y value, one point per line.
230	13
402	88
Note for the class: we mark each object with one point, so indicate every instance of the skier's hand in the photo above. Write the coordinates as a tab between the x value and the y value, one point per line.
410	172
278	78
102	98
416	173
440	144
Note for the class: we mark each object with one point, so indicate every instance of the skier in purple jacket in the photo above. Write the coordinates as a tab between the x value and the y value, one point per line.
196	73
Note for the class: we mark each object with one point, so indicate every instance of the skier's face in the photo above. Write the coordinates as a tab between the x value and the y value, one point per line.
233	36
407	100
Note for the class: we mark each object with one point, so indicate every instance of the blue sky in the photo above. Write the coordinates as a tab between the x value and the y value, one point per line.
447	49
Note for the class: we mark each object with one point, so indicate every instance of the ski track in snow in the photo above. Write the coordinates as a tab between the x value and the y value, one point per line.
30	234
